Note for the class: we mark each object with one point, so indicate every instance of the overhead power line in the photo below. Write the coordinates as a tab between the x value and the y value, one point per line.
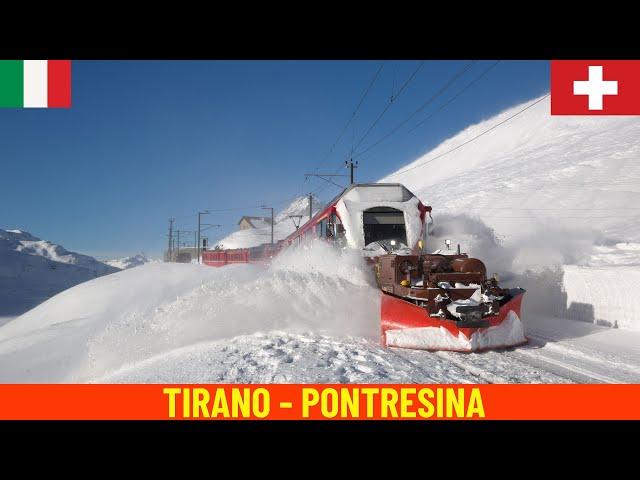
352	117
391	100
464	89
375	122
447	84
451	100
470	140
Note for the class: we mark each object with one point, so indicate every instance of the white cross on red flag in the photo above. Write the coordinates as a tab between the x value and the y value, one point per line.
595	87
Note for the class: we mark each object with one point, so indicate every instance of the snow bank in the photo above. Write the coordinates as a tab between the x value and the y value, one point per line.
111	322
606	296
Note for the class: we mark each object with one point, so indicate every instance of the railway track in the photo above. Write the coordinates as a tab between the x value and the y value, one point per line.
543	360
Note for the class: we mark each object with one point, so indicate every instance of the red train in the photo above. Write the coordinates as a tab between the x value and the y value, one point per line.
360	217
429	301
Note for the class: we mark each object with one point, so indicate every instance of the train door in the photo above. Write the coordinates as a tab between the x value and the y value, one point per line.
335	230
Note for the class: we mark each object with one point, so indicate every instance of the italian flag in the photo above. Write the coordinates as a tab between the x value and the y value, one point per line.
35	83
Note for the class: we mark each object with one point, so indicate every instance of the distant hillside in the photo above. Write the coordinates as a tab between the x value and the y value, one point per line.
33	270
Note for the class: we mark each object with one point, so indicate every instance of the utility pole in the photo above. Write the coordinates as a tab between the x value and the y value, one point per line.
206	212
178	250
350	165
310	205
171	220
270	208
203	240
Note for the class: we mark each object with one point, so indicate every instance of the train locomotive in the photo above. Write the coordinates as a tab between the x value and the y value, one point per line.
431	301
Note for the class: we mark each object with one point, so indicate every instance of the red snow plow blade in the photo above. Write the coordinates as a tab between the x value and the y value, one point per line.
446	302
407	325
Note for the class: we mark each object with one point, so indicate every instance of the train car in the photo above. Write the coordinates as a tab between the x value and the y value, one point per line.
260	254
431	301
371	217
375	218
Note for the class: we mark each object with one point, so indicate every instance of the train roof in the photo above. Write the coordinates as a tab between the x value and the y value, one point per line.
403	194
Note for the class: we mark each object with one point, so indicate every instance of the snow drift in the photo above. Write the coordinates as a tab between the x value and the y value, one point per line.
111	322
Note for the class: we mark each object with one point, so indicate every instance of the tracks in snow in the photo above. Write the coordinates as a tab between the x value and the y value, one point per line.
573	364
541	361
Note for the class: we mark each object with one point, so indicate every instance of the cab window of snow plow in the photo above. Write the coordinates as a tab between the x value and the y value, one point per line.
384	223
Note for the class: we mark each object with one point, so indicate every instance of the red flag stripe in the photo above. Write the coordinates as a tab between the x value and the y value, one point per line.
59	85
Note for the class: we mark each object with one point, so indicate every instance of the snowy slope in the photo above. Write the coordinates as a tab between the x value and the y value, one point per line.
128	262
283	226
32	270
537	171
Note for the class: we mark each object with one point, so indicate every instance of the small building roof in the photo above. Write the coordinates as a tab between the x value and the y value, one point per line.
251	219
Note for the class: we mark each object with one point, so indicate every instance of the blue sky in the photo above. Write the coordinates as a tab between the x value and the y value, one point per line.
149	140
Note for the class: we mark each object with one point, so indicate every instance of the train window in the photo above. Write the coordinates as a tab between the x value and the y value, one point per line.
384	223
321	228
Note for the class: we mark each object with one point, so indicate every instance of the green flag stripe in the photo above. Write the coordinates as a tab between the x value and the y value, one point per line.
11	84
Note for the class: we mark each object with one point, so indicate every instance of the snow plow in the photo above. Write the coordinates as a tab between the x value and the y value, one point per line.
429	301
445	302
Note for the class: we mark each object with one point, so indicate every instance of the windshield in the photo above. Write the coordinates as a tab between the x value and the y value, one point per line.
384	223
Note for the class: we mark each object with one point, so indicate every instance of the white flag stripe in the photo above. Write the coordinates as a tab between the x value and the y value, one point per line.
35	84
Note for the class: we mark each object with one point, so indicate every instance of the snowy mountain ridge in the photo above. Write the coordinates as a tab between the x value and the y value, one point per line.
128	262
24	242
32	270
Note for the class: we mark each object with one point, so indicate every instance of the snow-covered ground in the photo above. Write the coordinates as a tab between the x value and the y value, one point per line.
551	203
129	262
32	270
312	316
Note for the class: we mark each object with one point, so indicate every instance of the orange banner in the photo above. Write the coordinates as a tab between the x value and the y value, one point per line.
319	402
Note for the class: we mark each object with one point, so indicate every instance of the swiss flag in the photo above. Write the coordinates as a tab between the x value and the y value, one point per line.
595	87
